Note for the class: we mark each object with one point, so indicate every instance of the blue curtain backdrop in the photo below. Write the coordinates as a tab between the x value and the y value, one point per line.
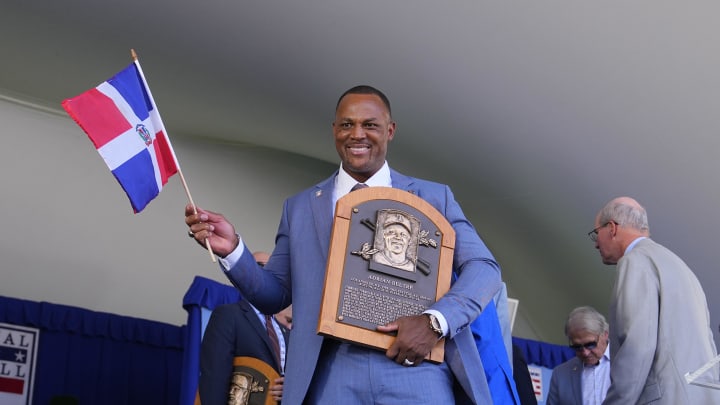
100	358
543	354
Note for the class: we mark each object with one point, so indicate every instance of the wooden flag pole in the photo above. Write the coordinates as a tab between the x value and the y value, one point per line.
177	164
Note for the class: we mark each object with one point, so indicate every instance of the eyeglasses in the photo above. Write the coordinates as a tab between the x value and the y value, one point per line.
588	345
594	233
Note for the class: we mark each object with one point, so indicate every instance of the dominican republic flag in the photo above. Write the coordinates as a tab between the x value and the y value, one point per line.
123	123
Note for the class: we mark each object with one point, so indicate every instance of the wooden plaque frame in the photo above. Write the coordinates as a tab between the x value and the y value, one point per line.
351	266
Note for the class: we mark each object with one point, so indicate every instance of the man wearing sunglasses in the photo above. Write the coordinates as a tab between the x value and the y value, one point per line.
584	379
658	312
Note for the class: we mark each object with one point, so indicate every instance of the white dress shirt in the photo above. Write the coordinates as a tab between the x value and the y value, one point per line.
596	380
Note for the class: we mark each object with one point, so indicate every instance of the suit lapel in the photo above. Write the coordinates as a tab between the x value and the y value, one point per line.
258	327
403	182
322	210
252	319
576	380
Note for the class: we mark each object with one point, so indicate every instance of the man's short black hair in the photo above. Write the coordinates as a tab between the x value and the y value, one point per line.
365	89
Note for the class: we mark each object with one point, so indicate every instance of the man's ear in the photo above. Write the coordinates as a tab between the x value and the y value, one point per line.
391	130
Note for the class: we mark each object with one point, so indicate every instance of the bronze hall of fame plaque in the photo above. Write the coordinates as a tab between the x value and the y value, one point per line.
250	382
391	255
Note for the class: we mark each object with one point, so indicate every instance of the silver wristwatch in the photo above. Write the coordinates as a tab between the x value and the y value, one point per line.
435	325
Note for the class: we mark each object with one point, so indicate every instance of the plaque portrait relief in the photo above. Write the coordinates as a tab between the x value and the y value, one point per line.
241	386
250	382
396	238
390	256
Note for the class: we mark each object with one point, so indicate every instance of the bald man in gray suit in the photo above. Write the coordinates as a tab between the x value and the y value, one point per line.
658	312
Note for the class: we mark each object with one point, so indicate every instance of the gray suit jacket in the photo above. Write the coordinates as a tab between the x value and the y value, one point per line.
659	330
297	270
566	384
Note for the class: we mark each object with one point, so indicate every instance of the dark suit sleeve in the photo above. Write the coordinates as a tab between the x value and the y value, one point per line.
522	378
216	357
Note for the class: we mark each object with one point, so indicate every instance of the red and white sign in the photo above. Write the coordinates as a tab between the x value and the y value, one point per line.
18	354
537	382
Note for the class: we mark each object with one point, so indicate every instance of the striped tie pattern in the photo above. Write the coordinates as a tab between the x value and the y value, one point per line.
273	340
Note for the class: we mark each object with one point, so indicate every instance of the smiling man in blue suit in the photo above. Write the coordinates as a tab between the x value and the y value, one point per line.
323	370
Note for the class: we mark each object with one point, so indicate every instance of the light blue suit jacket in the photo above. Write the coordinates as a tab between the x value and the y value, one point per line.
566	384
297	272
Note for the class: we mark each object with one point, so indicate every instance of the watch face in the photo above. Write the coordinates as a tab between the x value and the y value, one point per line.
435	324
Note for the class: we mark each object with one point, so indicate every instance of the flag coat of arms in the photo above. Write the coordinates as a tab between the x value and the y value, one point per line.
122	121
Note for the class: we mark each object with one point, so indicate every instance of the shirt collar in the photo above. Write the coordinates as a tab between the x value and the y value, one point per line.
344	182
633	243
